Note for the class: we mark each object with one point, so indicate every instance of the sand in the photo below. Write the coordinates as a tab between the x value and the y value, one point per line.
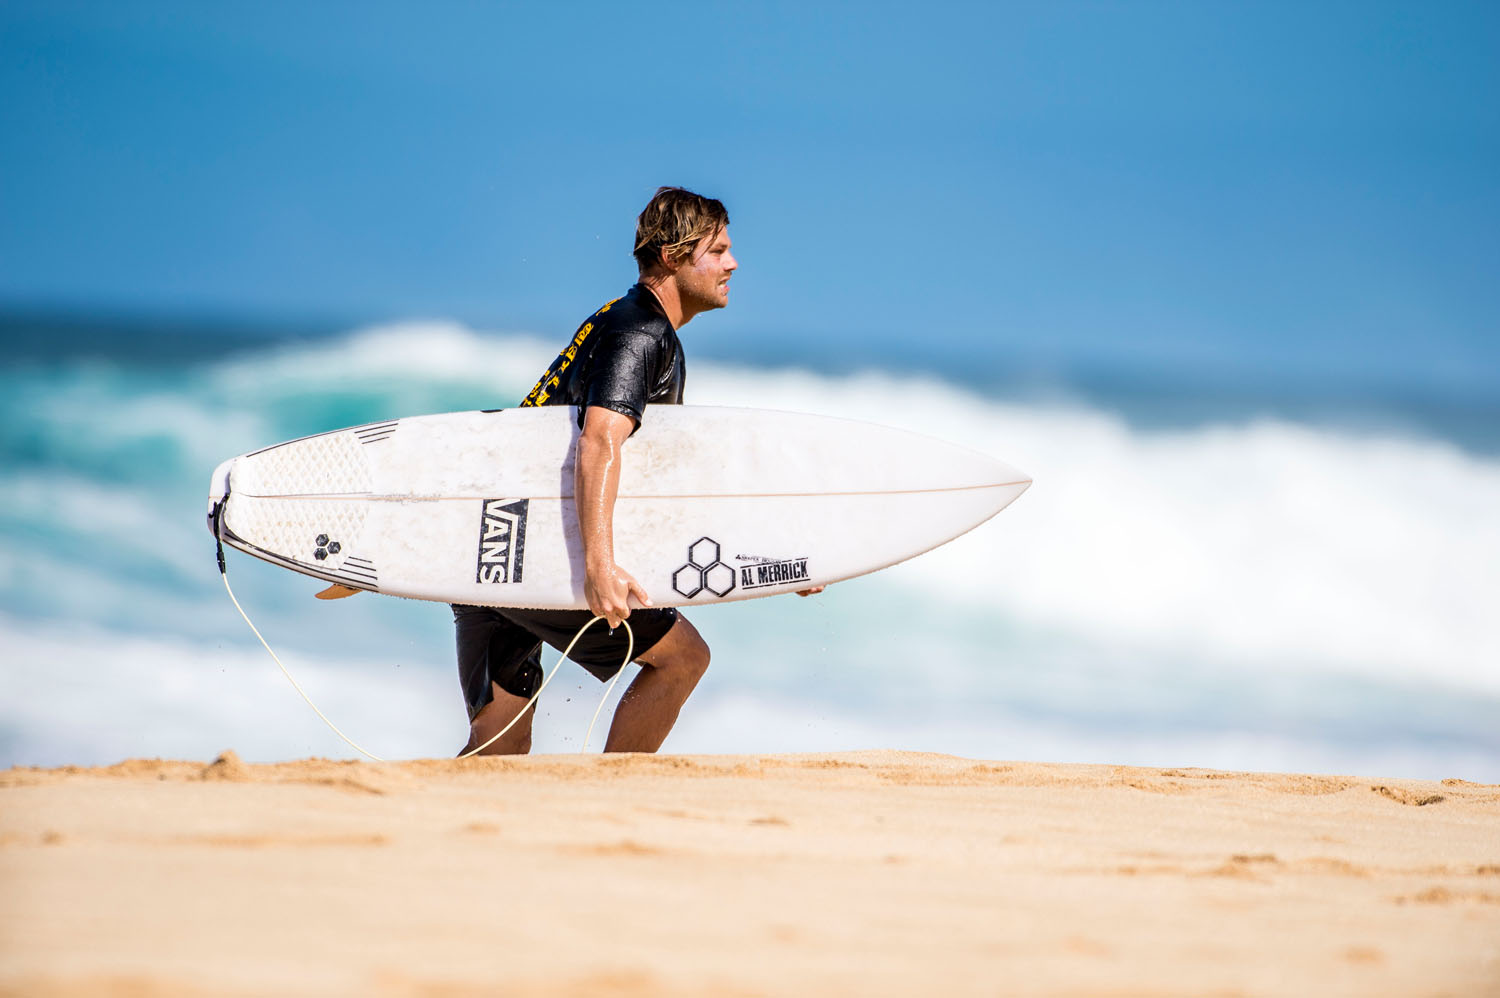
864	873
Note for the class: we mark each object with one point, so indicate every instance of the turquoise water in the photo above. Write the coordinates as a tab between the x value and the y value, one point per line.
1249	579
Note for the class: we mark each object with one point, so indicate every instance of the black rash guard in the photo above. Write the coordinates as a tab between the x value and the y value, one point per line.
624	357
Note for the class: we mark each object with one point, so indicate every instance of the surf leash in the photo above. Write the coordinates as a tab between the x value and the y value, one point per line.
217	517
629	654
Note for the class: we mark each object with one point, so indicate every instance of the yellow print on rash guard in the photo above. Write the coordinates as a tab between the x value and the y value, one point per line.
549	381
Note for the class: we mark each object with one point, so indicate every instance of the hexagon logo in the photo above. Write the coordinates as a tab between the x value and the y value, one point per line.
323	547
703	571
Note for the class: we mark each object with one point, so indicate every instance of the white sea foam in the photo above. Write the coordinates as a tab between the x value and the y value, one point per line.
392	355
1284	545
79	694
1148	579
89	696
100	515
86	695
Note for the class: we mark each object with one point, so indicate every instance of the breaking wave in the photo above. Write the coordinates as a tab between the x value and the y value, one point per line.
1258	593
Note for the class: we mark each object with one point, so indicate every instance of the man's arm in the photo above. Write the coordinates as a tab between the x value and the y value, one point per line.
596	483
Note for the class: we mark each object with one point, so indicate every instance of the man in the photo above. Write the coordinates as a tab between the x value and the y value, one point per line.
623	358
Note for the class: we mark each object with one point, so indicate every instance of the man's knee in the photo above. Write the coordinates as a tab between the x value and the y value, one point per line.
682	652
688	663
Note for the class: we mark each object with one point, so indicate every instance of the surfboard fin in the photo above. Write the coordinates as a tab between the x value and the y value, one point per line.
337	591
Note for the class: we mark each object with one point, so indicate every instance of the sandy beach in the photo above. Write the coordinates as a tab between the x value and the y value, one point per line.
855	873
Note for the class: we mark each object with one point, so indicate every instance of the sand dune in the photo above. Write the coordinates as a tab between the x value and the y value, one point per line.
856	873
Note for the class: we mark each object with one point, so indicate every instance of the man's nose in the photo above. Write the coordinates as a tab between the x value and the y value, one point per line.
730	263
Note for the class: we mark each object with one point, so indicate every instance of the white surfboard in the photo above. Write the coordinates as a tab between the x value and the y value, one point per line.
715	504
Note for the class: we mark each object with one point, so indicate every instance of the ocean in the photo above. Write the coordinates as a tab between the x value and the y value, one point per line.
1241	578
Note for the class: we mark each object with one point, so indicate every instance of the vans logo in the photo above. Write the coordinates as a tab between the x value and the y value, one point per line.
502	540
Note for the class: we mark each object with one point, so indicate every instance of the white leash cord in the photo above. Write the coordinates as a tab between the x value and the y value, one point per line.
629	654
288	675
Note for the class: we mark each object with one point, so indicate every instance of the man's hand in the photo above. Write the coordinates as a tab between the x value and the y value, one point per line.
811	592
608	590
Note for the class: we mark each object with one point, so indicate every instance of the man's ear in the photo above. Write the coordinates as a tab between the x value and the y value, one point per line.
665	260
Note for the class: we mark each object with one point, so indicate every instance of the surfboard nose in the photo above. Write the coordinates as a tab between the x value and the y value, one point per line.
218	488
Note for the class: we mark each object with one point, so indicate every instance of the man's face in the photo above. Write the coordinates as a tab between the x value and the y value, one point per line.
703	279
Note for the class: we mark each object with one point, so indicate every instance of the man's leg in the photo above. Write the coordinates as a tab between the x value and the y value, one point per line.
493	717
493	650
669	672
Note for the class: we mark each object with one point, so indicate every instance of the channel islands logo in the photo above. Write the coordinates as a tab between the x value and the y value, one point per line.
502	540
703	571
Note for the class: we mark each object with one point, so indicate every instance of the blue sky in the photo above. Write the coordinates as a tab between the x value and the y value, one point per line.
1257	190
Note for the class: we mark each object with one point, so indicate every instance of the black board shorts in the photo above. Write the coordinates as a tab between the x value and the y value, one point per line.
503	645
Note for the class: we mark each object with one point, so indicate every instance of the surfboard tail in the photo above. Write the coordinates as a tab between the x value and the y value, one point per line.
218	488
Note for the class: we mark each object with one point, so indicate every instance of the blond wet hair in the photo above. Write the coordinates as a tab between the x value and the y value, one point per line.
676	220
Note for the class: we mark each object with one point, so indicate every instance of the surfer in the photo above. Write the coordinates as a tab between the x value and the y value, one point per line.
623	358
